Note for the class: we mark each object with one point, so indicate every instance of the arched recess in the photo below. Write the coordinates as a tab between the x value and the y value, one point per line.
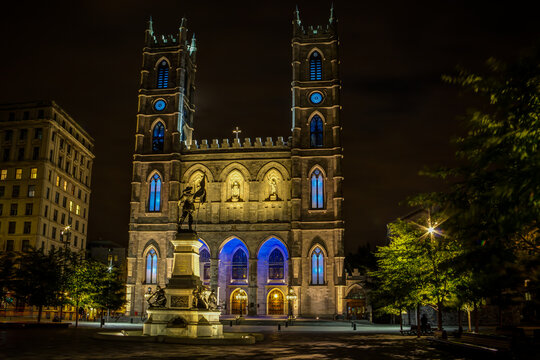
238	306
151	243
159	61
312	51
204	261
273	165
315	65
268	271
151	256
229	246
316	112
316	130
356	302
234	166
195	168
275	302
155	187
317	188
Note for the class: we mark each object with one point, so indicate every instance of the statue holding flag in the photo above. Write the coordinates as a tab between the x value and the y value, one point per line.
186	203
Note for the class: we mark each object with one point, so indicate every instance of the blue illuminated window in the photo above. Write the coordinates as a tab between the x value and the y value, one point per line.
317	267
154	200
275	265
315	66
204	258
239	265
158	136
151	267
316	130
163	75
317	190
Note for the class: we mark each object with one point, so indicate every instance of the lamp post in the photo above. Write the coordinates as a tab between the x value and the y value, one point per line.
242	297
67	232
291	297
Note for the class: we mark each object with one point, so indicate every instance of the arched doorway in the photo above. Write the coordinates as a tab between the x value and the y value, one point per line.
238	302
356	304
275	303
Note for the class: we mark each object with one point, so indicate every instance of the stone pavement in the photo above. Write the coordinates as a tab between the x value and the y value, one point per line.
301	342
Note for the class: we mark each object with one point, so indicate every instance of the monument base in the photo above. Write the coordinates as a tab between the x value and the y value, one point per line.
191	323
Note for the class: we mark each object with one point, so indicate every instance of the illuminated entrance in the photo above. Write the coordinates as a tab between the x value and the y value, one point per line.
356	304
238	302
275	303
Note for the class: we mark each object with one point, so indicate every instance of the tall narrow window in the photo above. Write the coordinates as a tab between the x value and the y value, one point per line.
275	265
154	200
315	66
317	190
317	267
158	136
151	267
205	264
163	75
239	265
316	131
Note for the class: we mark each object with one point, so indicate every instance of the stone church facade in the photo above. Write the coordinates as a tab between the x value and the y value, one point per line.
272	222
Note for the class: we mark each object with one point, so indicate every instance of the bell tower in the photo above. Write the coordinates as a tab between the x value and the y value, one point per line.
317	226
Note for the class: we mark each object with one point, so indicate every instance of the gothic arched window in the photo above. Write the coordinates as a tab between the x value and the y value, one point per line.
154	198
204	258
317	189
317	267
151	267
315	66
163	75
316	131
239	265
158	137
275	265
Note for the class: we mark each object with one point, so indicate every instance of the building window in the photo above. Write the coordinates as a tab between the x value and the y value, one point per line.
154	199
316	131
29	209
163	75
65	185
2	191
205	264
317	267
57	180
151	267
11	116
158	137
26	115
20	156
22	134
46	211
44	233
6	155
1	209
11	227
70	206
18	174
27	227
9	245
15	191
8	135
315	66
77	225
3	174
35	153
317	190
276	265
25	245
55	215
31	191
47	193
38	133
13	210
53	233
63	219
77	210
239	265
64	202
57	197
33	173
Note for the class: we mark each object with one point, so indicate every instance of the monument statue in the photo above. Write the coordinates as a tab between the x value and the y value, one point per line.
186	205
235	191
158	298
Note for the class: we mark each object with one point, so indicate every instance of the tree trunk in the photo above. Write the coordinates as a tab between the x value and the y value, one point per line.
40	310
439	315
400	320
101	319
418	329
409	316
469	319
77	314
476	318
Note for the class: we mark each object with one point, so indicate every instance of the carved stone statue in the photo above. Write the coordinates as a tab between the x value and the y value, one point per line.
158	298
212	301
273	189
201	295
235	191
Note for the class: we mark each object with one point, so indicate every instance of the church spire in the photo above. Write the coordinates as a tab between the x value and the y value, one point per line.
193	46
331	20
297	20
151	26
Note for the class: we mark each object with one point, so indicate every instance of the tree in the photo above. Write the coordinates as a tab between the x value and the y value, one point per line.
7	273
37	279
493	197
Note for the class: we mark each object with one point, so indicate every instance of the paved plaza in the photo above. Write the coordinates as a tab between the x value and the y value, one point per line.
297	342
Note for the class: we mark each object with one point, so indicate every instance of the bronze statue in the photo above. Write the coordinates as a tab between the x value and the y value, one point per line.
158	298
212	301
187	201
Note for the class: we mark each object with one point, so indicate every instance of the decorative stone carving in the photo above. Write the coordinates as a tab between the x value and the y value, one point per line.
180	301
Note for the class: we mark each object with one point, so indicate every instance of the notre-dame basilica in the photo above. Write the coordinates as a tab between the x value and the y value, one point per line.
271	228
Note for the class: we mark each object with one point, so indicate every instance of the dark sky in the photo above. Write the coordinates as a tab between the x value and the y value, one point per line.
397	114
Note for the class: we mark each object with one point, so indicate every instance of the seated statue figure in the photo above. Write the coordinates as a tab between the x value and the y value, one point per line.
158	298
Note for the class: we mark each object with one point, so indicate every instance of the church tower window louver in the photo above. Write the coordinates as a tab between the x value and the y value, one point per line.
315	66
163	75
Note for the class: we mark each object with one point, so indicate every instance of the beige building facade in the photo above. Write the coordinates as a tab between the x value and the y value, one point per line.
46	161
272	222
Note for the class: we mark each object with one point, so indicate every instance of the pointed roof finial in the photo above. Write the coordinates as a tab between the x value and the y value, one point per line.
151	26
298	22
331	20
183	22
193	46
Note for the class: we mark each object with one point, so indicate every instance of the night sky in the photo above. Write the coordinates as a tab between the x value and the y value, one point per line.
397	115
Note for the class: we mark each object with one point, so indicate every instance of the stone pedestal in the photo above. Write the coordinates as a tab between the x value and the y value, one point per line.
179	317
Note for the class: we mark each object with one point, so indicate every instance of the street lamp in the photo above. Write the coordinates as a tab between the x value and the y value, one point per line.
65	231
291	297
242	297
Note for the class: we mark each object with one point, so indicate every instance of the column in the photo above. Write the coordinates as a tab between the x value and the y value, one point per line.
252	288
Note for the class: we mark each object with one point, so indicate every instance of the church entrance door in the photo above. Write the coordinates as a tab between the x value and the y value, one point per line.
238	302
275	302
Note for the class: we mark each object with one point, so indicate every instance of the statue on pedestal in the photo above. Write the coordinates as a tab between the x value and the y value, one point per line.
186	203
157	299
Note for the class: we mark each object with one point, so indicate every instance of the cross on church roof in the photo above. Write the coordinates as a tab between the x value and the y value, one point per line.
237	132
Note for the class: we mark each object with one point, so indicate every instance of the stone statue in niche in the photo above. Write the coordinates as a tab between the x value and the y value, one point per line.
272	183
235	191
